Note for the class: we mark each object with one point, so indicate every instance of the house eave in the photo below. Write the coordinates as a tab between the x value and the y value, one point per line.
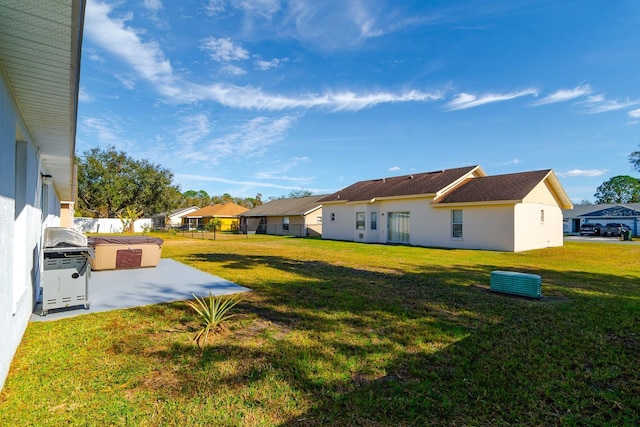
476	203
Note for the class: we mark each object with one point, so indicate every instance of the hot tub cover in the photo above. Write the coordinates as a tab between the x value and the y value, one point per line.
124	240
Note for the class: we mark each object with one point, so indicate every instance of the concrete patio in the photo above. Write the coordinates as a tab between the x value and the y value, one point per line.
169	281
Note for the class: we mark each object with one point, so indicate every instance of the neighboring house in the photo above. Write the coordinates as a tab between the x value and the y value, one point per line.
297	216
624	213
454	208
40	45
172	218
227	213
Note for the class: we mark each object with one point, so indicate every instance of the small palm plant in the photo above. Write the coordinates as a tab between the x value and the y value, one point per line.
212	312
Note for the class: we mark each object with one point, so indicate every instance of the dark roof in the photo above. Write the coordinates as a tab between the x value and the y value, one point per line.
406	185
513	186
284	207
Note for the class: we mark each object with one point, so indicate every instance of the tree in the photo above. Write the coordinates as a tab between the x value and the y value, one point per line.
294	194
109	182
634	159
619	189
195	198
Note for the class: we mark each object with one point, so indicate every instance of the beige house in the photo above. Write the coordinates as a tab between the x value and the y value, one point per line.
40	44
455	208
297	216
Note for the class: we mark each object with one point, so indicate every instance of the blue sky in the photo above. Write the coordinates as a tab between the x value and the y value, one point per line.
269	96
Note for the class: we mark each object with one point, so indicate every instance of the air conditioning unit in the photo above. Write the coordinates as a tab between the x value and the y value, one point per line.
514	283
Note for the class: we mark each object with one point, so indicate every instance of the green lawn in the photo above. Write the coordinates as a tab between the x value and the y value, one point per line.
338	333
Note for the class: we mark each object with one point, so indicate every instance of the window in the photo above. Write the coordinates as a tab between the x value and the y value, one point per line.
541	216
373	224
360	220
456	224
333	216
318	220
285	223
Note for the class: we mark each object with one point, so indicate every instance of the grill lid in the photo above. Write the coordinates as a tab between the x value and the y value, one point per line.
63	237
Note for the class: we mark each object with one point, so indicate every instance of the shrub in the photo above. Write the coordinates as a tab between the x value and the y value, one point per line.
212	312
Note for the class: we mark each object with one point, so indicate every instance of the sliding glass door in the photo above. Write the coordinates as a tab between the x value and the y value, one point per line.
398	227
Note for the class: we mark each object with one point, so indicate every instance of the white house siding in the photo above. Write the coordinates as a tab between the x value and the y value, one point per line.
532	232
339	228
21	224
488	227
498	227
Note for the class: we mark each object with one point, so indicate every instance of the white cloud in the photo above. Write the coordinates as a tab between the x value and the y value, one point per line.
248	97
215	7
107	130
263	65
250	139
83	96
277	168
634	114
510	162
233	70
583	173
149	62
394	169
115	37
208	178
224	50
154	5
465	100
193	129
564	95
263	8
599	104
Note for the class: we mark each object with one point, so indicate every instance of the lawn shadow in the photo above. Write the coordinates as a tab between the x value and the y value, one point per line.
429	347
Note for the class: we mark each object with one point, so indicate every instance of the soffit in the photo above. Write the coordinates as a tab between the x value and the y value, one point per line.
40	42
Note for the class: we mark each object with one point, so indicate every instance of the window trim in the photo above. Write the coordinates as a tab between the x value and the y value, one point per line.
373	220
460	224
361	221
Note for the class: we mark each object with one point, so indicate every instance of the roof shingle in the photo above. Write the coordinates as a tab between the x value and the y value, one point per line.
284	207
513	186
406	185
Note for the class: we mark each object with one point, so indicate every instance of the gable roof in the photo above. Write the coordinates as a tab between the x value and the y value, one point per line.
507	187
603	210
406	185
220	210
284	207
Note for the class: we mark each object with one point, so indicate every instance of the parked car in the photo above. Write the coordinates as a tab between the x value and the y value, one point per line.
590	229
614	229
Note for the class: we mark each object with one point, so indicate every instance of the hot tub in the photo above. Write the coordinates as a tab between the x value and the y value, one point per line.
119	252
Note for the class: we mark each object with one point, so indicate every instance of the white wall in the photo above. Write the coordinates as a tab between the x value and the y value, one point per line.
532	232
498	227
108	225
489	227
20	229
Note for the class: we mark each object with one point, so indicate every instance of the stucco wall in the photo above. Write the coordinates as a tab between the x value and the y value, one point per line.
11	329
498	227
489	227
342	227
20	230
534	233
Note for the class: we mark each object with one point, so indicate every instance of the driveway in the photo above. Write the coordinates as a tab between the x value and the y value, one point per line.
600	239
169	281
